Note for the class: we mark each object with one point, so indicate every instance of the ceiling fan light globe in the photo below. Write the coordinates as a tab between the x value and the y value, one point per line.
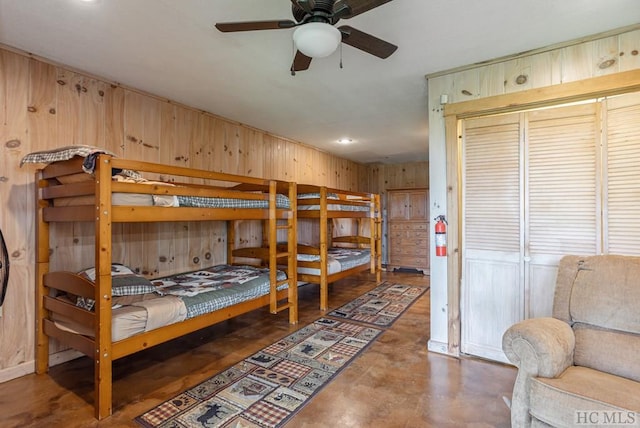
317	39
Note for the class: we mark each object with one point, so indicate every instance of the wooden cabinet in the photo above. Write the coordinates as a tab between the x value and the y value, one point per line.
408	229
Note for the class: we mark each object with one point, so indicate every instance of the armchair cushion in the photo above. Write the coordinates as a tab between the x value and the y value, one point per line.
557	401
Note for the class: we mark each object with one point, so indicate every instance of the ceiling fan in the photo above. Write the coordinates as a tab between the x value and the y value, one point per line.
315	35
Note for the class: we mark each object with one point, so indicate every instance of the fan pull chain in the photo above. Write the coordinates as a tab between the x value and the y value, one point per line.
341	56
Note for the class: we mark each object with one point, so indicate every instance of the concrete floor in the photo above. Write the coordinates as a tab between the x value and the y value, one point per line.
395	383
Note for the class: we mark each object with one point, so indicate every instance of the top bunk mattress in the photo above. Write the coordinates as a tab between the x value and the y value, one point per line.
89	155
332	203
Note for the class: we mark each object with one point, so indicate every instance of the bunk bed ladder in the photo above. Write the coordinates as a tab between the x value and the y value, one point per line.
290	255
376	238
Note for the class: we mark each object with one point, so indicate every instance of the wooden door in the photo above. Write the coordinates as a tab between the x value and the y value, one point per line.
492	286
531	194
418	205
398	205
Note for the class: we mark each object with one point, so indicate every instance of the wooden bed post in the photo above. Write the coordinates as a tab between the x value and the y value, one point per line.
376	233
292	241
42	267
324	231
103	358
231	241
273	251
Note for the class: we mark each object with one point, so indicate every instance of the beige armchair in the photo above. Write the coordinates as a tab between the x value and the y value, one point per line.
581	367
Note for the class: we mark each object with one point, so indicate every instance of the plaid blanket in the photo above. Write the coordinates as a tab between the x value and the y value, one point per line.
217	287
282	202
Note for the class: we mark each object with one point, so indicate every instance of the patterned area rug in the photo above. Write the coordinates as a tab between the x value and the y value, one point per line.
268	388
381	306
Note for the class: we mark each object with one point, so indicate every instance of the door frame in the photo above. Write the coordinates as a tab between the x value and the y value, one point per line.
603	86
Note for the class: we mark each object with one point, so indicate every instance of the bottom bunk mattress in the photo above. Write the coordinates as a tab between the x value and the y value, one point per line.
179	297
338	260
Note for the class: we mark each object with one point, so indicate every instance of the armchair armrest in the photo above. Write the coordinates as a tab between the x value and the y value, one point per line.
540	346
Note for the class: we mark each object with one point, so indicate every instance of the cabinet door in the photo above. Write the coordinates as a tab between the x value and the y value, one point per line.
418	205
398	206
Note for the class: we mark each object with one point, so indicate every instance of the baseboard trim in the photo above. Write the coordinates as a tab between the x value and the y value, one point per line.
17	371
439	347
29	367
64	356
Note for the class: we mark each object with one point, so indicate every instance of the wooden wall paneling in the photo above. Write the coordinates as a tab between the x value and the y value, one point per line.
68	112
305	164
41	123
233	148
188	138
214	246
92	110
114	99
492	79
42	105
517	75
16	197
254	154
364	180
201	157
606	56
219	145
466	86
68	127
142	120
288	166
311	172
335	171
279	159
629	50
114	108
267	156
297	153
172	244
545	69
171	247
90	94
586	60
374	177
323	169
141	127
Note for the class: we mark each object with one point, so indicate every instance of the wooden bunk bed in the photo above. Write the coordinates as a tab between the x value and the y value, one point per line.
322	264
251	199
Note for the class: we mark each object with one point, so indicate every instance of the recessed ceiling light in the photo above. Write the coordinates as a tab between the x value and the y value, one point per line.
345	141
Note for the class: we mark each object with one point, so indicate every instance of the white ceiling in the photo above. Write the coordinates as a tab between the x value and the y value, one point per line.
170	48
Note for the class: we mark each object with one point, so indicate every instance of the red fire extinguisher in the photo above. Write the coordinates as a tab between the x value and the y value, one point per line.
441	236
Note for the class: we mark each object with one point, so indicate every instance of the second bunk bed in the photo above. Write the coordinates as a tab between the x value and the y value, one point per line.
91	311
349	226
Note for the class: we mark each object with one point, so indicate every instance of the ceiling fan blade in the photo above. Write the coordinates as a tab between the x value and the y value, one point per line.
228	27
361	6
366	42
301	62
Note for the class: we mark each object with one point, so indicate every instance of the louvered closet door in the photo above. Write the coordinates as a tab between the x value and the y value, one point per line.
492	291
530	195
562	193
622	175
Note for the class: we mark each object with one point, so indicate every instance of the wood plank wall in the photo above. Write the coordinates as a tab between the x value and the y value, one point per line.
474	86
43	106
